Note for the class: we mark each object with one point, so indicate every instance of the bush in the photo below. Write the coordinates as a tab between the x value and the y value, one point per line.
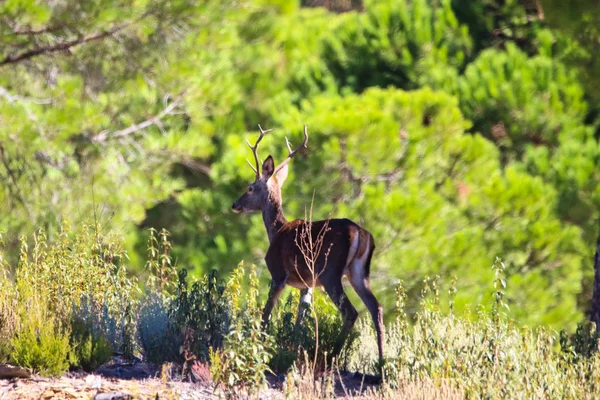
91	348
240	365
202	313
160	339
74	303
9	319
86	265
41	341
116	325
288	338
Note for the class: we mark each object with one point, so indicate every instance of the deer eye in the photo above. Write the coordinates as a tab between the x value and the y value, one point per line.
250	189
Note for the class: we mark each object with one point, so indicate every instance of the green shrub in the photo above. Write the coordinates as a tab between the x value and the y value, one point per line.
41	341
162	276
161	341
202	313
116	324
240	365
158	333
90	347
8	317
76	266
288	338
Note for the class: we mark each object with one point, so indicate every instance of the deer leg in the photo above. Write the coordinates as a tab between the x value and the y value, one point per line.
274	293
362	287
304	304
349	313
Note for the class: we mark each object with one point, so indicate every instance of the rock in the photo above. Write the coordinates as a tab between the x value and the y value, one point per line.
126	371
112	396
9	371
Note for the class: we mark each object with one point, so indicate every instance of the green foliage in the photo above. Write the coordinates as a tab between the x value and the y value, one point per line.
9	319
82	275
289	339
42	341
473	355
240	365
201	311
114	324
70	303
76	266
292	342
162	272
90	346
438	202
139	120
160	340
401	43
496	24
515	100
576	26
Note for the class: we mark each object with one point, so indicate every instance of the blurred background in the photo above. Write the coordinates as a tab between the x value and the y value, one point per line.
455	131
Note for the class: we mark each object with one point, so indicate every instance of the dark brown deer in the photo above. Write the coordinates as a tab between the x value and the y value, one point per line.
345	249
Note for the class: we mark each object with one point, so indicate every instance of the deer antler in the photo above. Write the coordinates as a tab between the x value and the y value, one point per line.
292	152
255	150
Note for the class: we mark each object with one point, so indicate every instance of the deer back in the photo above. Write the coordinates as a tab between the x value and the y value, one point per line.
300	260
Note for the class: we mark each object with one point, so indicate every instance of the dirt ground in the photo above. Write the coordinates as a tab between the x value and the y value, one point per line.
141	381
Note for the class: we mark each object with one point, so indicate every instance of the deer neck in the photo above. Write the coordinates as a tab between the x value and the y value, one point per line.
273	214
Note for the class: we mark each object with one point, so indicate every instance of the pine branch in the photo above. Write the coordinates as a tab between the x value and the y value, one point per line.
62	46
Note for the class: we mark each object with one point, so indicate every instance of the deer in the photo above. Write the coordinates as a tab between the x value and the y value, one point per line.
346	248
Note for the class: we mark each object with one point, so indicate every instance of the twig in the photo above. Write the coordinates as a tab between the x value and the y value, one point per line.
187	161
104	135
310	251
15	98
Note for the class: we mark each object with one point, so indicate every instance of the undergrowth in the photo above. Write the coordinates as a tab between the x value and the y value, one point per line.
70	304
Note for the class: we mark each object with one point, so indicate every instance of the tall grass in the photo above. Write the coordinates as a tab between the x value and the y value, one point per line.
482	354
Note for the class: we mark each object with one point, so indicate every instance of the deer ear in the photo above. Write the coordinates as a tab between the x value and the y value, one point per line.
282	175
268	168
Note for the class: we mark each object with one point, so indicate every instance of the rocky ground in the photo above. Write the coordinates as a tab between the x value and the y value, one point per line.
111	382
117	380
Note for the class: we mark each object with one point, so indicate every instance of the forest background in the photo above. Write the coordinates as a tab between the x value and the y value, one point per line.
455	131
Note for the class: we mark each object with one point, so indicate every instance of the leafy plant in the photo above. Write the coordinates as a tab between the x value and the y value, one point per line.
9	319
470	353
86	266
201	312
240	365
91	349
41	341
159	338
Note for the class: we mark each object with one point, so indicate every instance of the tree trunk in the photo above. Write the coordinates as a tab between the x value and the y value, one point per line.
595	312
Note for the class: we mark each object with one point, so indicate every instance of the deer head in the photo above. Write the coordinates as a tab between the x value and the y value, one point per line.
266	188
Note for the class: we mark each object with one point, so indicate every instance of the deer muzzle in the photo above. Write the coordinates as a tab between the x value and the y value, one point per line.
237	208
